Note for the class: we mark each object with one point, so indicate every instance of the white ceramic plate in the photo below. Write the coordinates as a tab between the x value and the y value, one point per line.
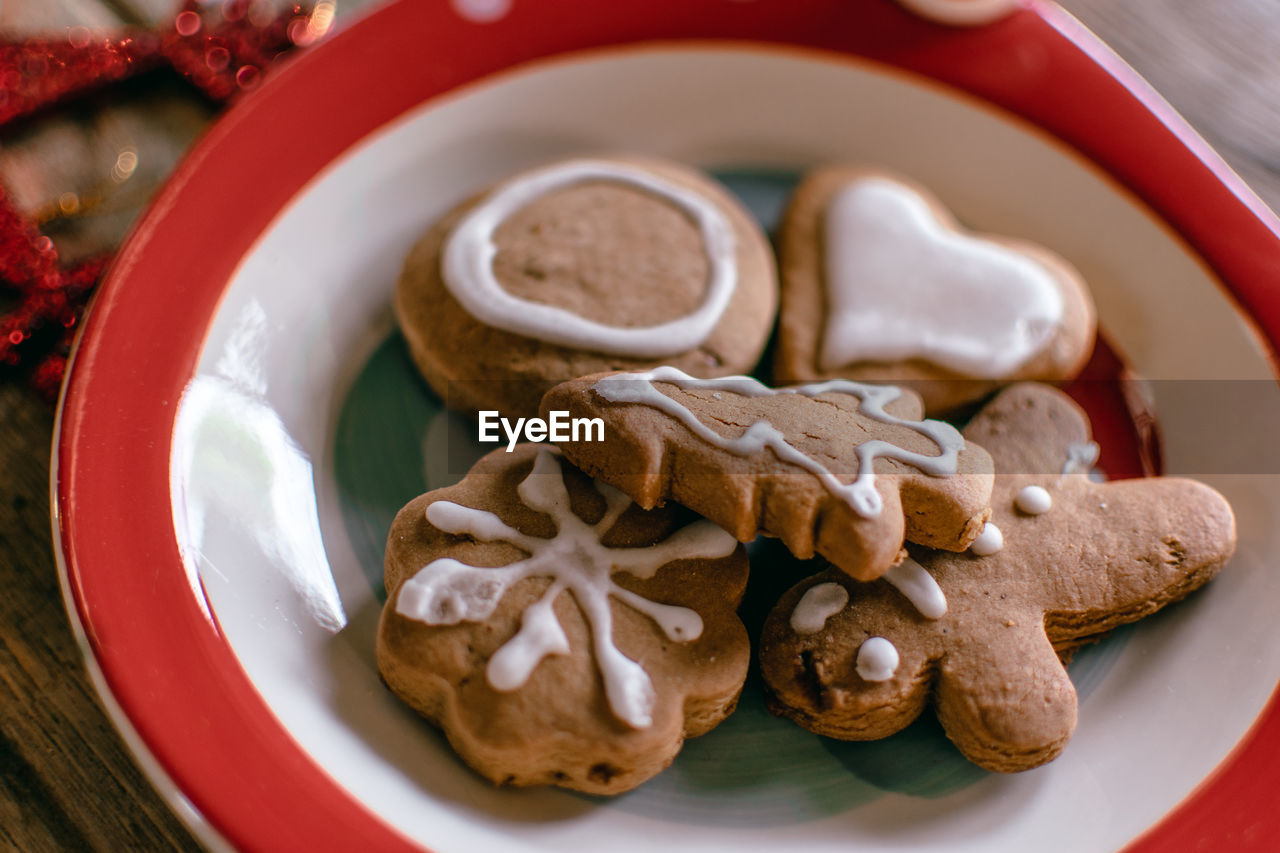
303	428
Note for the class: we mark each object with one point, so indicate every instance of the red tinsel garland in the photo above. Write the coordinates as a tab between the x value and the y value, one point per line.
221	51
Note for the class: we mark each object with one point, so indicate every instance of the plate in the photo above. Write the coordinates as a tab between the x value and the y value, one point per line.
239	421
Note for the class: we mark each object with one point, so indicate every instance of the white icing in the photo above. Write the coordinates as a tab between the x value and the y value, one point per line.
861	494
877	659
1033	500
540	635
902	285
914	581
988	542
1081	458
446	591
961	12
817	605
467	266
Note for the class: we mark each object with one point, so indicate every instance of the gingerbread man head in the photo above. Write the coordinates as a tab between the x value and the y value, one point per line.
1063	560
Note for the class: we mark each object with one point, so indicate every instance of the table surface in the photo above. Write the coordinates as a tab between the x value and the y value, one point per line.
66	780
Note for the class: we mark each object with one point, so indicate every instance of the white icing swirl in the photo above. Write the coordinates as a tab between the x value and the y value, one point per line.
861	494
1081	458
818	604
467	266
1033	500
877	659
988	542
902	285
446	591
914	581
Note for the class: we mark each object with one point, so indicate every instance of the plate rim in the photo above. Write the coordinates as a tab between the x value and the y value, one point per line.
238	806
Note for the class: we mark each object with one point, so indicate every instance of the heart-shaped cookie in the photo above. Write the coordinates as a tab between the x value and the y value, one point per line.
879	282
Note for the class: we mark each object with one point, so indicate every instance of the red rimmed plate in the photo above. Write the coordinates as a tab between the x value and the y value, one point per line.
236	652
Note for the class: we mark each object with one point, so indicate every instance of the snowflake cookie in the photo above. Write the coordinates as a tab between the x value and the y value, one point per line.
559	634
1063	560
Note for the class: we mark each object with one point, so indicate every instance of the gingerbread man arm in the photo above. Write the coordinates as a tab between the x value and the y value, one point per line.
1133	545
787	462
1142	544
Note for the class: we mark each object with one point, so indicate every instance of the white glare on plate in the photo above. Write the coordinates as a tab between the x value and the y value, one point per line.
232	455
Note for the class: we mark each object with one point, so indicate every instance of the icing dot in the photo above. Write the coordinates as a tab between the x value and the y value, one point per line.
877	659
989	541
481	11
817	605
1033	500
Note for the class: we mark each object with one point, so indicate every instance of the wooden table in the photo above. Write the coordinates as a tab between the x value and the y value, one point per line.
66	780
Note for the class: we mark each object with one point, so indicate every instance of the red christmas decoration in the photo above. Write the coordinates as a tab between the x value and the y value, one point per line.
221	49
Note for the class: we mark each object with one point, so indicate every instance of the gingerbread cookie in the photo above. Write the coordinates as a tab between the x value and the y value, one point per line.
558	634
1062	561
580	267
879	283
839	468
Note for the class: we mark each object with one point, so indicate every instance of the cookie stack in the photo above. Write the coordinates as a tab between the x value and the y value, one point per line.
567	612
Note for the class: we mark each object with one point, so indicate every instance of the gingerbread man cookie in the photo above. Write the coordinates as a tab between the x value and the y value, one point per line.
838	468
1062	561
558	634
879	283
584	266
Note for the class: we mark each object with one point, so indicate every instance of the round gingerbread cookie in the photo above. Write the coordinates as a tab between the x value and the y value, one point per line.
556	632
880	284
584	266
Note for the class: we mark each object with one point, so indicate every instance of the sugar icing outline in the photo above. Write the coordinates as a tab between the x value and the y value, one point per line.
467	266
861	494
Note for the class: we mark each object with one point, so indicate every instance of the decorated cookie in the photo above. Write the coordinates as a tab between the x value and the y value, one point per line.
839	468
580	267
879	283
558	634
1063	560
